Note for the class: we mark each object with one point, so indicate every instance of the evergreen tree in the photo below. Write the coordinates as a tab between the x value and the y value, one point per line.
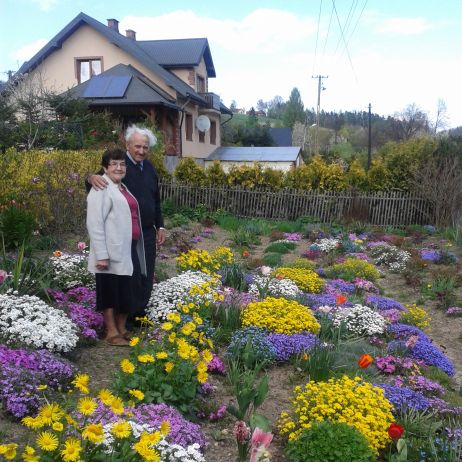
295	111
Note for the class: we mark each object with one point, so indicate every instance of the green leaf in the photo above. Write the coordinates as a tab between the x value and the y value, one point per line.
260	421
261	392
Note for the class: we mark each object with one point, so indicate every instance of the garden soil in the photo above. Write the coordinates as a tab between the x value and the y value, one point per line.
101	361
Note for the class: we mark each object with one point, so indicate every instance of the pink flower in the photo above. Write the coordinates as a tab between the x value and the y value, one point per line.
241	431
81	246
3	276
260	442
265	270
411	341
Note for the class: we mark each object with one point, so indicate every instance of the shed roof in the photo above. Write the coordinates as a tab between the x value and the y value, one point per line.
255	154
140	90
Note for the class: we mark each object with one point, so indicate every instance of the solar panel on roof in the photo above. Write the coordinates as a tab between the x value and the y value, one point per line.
107	86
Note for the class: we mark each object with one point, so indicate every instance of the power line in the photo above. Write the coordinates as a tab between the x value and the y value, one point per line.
317	36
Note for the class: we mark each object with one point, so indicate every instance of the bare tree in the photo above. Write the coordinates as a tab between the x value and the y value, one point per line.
439	181
442	119
30	97
410	123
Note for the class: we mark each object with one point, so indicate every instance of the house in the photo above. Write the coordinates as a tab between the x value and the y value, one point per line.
163	80
279	158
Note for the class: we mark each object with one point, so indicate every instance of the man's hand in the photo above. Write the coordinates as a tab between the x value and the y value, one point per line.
102	264
161	235
97	181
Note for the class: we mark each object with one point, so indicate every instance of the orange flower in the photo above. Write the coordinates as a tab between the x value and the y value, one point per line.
57	253
279	276
245	253
340	299
365	361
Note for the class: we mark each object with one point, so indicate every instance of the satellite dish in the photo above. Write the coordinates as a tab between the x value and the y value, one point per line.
203	123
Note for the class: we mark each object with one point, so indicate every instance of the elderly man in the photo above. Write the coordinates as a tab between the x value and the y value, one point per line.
143	182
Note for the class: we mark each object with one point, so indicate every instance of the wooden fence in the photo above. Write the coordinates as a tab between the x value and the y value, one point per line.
382	208
62	212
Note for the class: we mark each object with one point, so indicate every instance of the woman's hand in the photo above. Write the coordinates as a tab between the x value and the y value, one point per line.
102	264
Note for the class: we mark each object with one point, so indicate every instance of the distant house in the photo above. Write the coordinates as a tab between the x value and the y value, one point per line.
281	136
163	80
279	158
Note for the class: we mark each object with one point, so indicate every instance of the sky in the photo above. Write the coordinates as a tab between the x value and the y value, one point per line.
387	53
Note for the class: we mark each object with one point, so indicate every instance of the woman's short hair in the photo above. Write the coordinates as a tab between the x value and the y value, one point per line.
152	140
112	154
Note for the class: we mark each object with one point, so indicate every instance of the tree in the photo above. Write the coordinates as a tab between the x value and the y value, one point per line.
7	121
261	105
233	106
276	108
441	121
294	111
410	123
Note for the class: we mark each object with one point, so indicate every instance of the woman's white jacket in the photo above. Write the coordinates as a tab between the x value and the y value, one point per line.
109	225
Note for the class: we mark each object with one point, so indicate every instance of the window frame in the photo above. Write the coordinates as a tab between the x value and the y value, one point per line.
84	59
213	132
189	127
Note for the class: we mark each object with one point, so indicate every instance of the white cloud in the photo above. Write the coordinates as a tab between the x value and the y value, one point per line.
405	26
27	51
45	5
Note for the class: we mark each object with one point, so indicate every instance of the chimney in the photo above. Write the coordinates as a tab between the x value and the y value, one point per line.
113	24
131	34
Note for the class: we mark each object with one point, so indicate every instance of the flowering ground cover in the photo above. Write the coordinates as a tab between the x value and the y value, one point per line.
247	370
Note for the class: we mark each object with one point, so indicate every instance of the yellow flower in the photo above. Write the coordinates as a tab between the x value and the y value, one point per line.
105	396
94	433
207	356
117	406
29	455
202	377
42	387
138	394
8	450
134	341
201	366
146	358
168	367
51	413
165	427
87	406
33	422
167	326
47	441
121	429
172	337
71	451
188	328
57	426
81	382
127	366
175	317
161	355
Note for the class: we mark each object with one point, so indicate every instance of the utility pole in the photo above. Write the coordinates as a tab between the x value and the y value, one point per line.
369	143
318	110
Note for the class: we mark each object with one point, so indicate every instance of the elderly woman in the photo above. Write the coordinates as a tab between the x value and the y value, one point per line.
116	246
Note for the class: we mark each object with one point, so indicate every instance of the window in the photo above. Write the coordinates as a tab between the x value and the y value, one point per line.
201	137
189	127
87	68
200	84
213	132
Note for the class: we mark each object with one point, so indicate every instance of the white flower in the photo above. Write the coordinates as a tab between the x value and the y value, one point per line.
390	256
29	321
360	320
166	295
326	245
265	270
70	270
265	286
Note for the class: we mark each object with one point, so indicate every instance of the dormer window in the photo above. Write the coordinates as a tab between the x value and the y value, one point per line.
86	68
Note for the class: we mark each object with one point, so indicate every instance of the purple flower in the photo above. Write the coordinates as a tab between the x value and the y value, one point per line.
292	236
421	384
382	303
218	414
216	366
454	311
195	239
404	398
338	286
182	431
431	255
287	346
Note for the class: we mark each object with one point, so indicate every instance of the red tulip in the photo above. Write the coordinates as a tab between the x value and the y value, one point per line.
365	361
245	253
340	299
395	431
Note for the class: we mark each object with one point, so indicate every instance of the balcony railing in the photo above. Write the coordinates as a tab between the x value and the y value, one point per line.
213	100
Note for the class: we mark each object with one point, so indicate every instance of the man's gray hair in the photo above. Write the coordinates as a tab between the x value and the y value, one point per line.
152	140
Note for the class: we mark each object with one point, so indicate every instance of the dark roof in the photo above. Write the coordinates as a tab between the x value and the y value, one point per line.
281	136
128	45
180	53
257	154
140	90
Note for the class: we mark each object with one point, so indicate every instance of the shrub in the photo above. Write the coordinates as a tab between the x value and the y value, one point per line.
416	316
280	247
272	259
301	263
345	399
353	268
215	175
306	280
280	315
187	171
16	225
330	442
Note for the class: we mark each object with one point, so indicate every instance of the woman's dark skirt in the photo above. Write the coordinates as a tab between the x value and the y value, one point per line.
117	292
